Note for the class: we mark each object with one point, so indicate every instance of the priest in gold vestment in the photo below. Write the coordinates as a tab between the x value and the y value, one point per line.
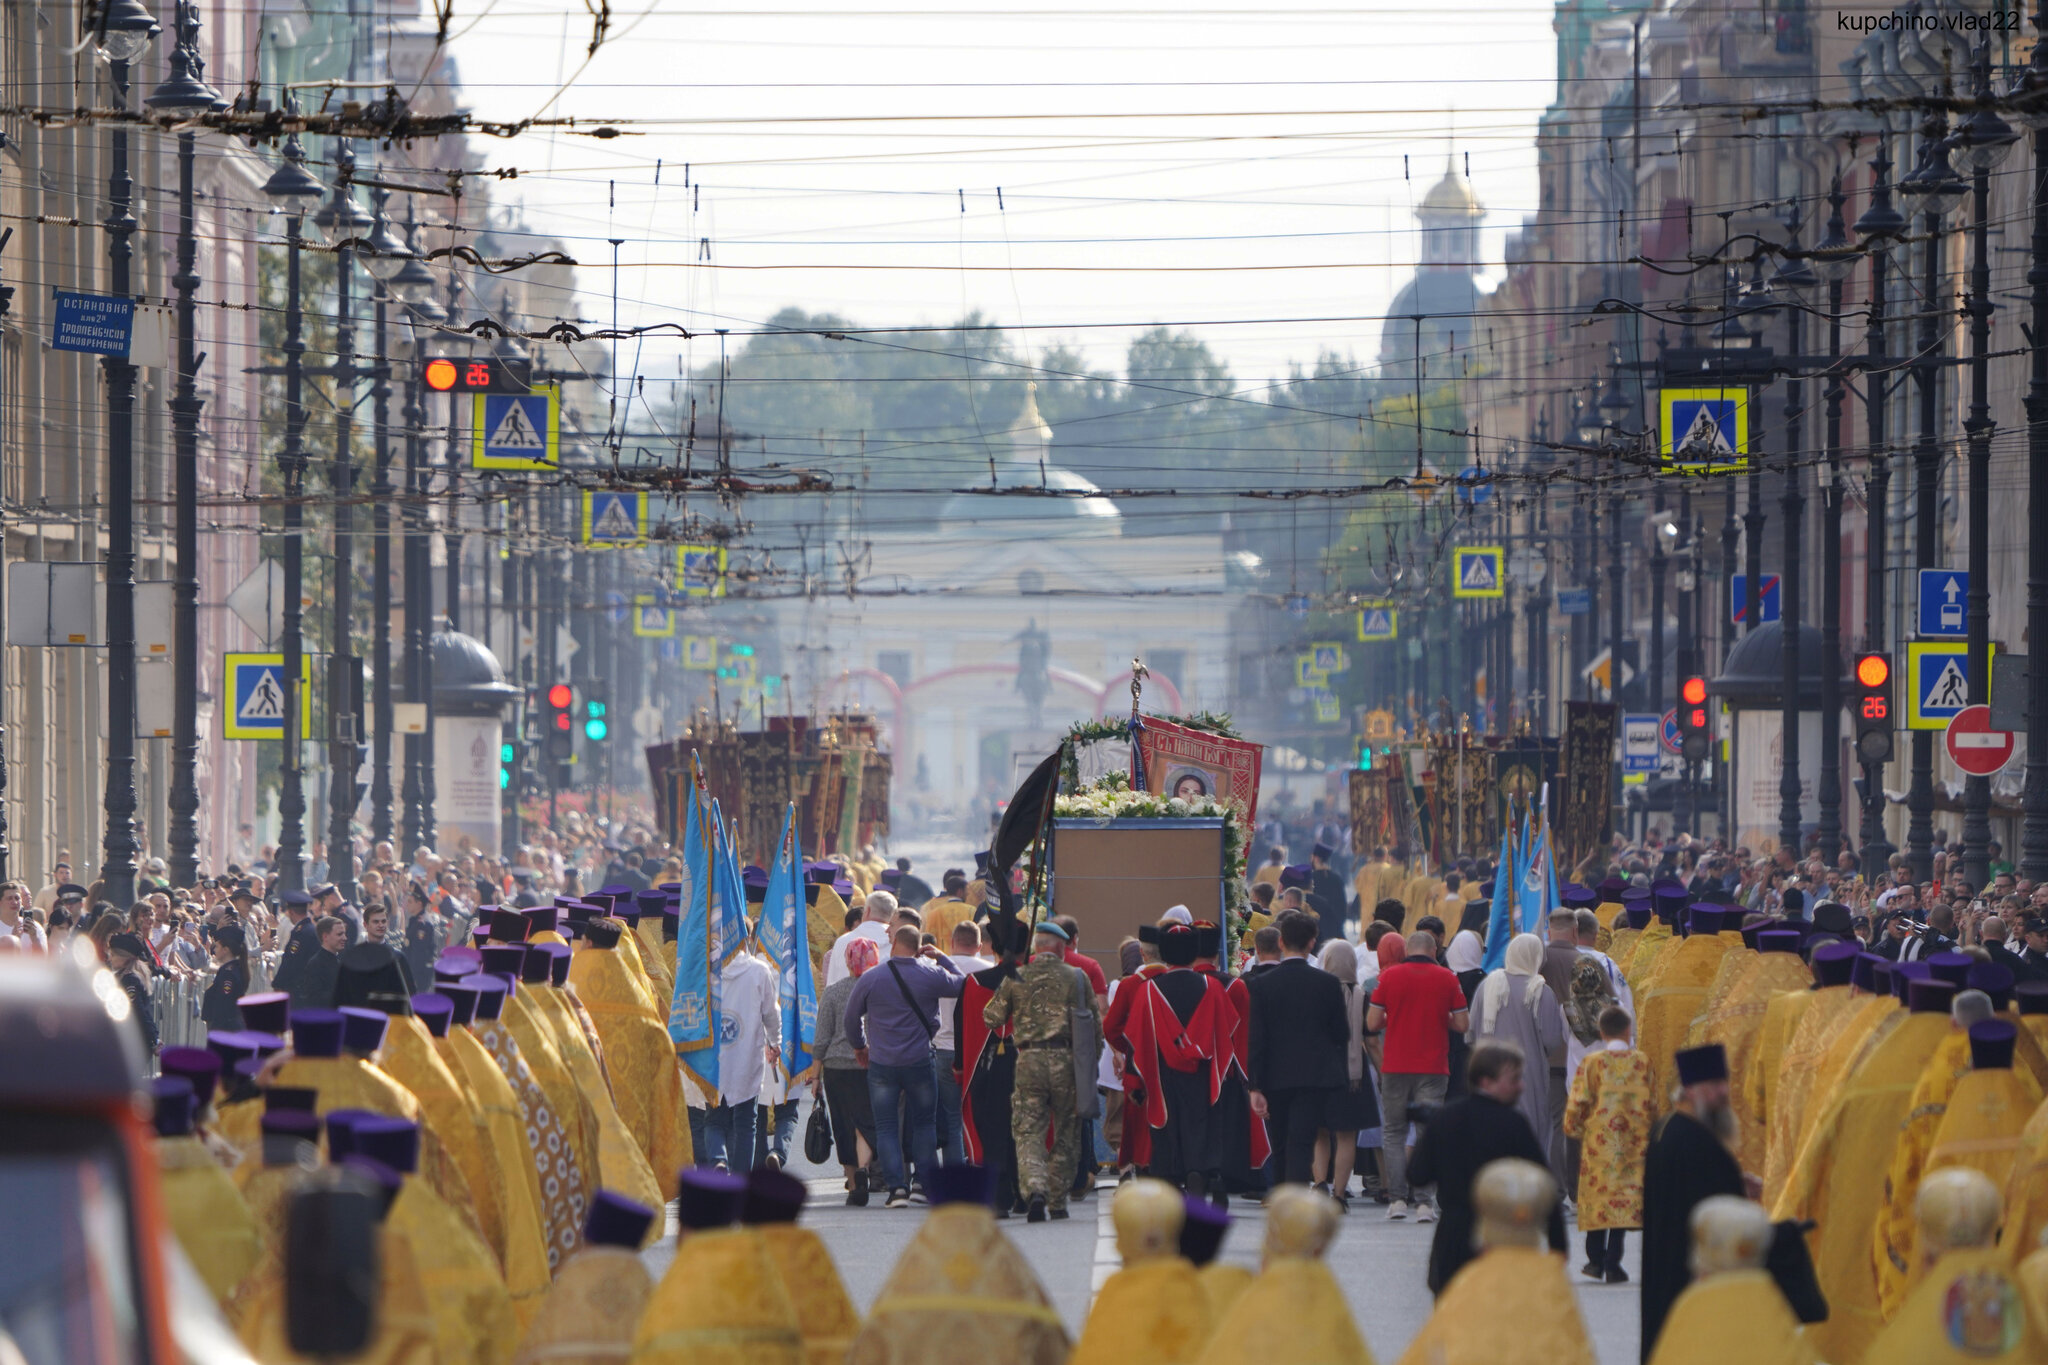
721	1301
1153	1310
1968	1307
1733	1311
825	1315
201	1204
1294	1310
589	1316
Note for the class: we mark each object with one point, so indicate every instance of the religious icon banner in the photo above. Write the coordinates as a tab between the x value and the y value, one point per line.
1180	761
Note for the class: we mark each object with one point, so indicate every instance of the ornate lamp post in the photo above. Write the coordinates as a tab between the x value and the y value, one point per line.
2029	99
383	254
185	95
1879	227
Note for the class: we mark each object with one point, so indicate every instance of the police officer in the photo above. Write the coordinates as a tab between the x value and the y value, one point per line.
300	945
1039	1004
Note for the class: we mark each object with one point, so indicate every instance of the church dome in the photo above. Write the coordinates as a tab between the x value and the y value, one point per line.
1026	515
1452	195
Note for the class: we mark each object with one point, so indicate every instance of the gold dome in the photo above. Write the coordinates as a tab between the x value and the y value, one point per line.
1451	195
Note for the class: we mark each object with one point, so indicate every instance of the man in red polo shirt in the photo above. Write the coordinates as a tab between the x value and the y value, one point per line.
1418	1005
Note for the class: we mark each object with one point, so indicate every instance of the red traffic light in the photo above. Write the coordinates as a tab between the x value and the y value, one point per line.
1697	720
440	374
561	696
1694	693
1873	670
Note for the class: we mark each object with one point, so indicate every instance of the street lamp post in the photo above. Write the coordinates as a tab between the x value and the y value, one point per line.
413	283
1795	279
1983	141
2030	101
295	190
344	221
1933	190
1879	226
383	256
185	95
125	33
1833	259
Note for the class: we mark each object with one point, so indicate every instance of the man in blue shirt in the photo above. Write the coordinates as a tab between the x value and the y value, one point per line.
891	1018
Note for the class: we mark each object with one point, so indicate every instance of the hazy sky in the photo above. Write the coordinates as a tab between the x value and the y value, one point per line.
1211	167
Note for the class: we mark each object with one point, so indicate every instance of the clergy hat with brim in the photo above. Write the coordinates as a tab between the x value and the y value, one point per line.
362	1030
302	1098
461	1001
1930	996
824	874
505	960
1699	1065
230	1045
649	902
268	1012
1991	1045
341	1130
754	881
199	1066
434	1010
1995	980
671	924
616	1221
456	963
707	1198
1202	1230
2031	997
1953	968
603	933
175	1105
509	926
1834	917
1778	940
963	1184
1639	916
316	1033
1840	964
772	1197
1576	897
395	1142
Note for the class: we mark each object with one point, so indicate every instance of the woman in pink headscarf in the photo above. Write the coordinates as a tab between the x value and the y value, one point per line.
842	1079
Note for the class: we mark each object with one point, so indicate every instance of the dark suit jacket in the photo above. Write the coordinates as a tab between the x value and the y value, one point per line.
1457	1142
1299	1032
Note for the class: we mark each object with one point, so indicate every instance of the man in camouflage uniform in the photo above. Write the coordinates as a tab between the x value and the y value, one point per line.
1039	1004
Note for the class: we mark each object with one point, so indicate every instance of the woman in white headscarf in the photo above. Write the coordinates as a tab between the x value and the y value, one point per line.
1355	1107
1516	1005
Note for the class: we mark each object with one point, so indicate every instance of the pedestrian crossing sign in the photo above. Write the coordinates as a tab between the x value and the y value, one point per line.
1938	681
614	518
1377	621
700	570
1704	431
517	430
1476	571
700	652
652	620
1329	656
253	688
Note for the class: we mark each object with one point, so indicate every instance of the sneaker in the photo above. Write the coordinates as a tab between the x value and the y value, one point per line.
1060	1214
898	1199
1397	1211
774	1162
1617	1276
917	1194
1425	1212
858	1197
1037	1211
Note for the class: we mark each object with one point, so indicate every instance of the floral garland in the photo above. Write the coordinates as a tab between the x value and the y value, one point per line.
1111	798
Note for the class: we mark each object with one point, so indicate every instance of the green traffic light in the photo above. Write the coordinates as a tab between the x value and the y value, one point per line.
505	754
595	728
743	651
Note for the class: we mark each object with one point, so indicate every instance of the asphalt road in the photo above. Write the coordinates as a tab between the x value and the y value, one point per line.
1380	1264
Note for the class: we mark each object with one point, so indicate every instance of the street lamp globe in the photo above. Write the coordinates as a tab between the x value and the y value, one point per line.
126	30
182	94
1932	187
2027	96
1834	256
291	186
341	217
384	253
413	282
1982	143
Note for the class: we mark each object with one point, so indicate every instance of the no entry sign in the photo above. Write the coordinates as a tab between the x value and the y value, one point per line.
1976	748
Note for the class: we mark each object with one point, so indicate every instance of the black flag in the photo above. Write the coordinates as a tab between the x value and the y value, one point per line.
1022	823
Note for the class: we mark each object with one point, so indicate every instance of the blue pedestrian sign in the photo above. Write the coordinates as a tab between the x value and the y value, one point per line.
1574	601
1378	621
96	324
254	690
1944	594
613	518
517	430
1704	431
1938	681
1476	571
1770	599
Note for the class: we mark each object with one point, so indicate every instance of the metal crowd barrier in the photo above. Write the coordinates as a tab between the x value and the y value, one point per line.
175	1001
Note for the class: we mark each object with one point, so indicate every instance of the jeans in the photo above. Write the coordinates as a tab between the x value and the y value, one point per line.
778	1126
1398	1091
950	1143
914	1086
729	1132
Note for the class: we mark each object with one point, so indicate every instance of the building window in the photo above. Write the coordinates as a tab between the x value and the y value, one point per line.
896	664
1170	664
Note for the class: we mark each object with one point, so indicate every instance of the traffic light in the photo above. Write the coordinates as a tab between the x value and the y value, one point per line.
1695	728
508	764
443	374
561	724
597	725
1874	708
